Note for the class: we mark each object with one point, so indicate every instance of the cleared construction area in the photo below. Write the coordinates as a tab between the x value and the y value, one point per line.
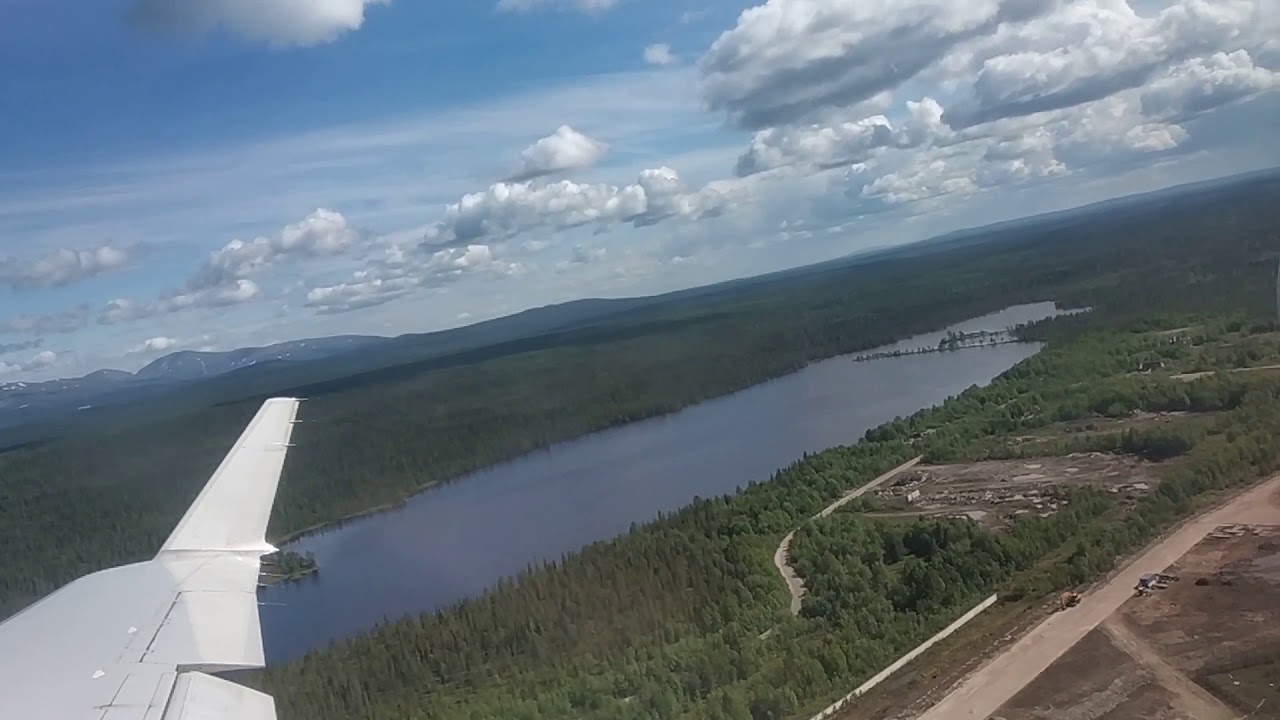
1205	646
994	492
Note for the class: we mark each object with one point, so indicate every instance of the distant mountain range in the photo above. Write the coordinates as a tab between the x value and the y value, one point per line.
26	401
190	365
31	411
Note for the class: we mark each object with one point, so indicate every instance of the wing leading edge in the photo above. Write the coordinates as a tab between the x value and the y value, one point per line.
135	642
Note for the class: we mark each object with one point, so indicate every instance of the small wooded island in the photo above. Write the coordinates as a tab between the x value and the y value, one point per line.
286	566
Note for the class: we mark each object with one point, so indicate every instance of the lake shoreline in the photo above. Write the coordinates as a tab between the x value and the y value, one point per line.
424	552
856	356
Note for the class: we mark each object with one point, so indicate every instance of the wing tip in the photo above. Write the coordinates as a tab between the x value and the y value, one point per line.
283	400
242	504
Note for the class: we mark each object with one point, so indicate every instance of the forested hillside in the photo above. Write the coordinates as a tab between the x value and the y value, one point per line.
674	620
666	621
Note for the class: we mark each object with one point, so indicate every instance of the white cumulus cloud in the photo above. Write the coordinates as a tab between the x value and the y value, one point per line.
1088	50
660	54
1202	84
153	345
67	266
224	278
801	65
924	179
563	150
42	360
1004	94
275	22
788	60
323	232
826	145
508	209
1111	130
1032	89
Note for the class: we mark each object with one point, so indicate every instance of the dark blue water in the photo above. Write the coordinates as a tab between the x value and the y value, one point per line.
457	540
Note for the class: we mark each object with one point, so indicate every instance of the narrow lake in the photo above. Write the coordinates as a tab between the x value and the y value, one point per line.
457	540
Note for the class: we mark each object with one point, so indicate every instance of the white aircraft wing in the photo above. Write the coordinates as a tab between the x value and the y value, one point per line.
136	642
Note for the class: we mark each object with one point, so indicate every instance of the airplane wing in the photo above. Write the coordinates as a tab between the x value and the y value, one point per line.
136	642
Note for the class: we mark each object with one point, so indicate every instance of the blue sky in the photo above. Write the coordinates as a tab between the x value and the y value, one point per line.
219	173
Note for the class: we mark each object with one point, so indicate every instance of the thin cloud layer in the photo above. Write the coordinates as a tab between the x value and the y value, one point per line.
563	150
67	266
401	270
586	6
362	291
274	22
123	310
55	323
31	344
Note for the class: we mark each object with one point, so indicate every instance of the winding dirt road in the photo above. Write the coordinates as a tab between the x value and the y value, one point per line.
982	693
782	556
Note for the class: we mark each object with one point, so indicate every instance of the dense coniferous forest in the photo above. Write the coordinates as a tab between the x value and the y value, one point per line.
685	617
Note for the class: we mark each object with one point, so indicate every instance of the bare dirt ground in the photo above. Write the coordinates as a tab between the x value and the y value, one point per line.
1186	697
1206	648
1220	625
782	556
995	491
1122	692
1187	636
